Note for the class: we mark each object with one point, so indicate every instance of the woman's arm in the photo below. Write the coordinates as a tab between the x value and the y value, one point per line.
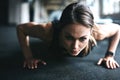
42	31
110	31
114	41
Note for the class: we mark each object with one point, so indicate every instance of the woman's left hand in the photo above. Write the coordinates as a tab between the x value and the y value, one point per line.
109	62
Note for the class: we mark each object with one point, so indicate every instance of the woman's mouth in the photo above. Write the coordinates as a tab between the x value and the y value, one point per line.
74	52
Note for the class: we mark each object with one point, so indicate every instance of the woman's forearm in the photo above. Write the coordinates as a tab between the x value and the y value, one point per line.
114	42
24	42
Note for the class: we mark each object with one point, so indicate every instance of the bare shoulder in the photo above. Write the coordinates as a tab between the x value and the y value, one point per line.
38	30
102	31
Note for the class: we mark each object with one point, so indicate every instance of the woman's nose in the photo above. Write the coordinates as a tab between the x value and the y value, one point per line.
76	44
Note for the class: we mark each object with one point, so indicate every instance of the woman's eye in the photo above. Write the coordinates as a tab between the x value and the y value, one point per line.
82	39
69	38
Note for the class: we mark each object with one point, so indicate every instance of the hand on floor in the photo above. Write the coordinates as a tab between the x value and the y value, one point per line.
33	63
108	62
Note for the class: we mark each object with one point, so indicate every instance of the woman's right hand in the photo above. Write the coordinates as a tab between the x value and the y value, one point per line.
33	63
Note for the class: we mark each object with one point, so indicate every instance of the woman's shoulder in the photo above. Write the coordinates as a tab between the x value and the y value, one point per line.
102	31
38	30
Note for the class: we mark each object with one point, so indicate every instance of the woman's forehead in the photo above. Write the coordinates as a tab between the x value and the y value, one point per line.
76	30
74	25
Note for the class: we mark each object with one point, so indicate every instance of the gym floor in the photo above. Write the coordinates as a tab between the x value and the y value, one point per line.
68	68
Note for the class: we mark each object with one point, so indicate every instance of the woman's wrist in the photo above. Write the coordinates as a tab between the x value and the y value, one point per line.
28	57
109	53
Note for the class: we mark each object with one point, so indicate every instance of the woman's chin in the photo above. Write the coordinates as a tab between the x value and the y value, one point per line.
74	54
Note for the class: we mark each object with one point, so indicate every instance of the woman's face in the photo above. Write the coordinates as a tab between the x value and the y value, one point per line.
74	38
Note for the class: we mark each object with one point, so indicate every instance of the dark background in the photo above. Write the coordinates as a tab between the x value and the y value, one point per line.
4	12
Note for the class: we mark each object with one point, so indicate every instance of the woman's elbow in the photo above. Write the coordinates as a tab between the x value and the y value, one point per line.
20	29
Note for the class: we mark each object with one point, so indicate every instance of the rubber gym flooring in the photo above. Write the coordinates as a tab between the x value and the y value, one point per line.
68	68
